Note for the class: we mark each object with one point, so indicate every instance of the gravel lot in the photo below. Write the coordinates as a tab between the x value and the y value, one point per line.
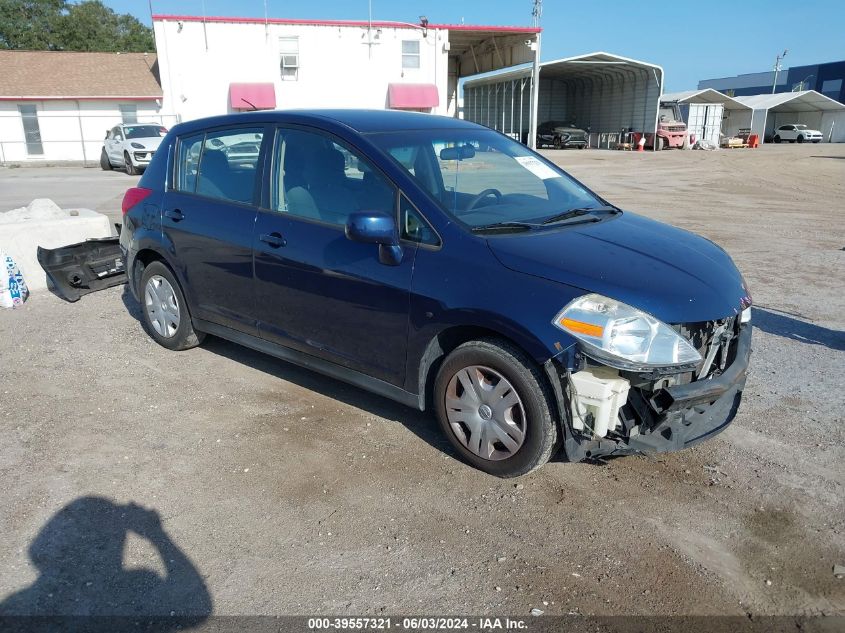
283	492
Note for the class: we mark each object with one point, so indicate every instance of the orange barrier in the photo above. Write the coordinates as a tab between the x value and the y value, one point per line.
753	140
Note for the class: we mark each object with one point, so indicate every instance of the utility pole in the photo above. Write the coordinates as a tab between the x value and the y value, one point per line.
778	69
536	14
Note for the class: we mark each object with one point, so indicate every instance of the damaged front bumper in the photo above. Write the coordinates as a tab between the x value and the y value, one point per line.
88	266
660	417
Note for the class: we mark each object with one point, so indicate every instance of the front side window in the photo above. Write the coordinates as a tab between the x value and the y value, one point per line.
31	130
480	177
289	58
320	179
410	54
414	227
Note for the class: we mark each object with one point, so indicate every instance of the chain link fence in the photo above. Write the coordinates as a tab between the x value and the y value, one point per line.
63	138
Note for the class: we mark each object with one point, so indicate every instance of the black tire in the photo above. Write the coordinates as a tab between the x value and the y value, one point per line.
542	435
777	138
105	163
800	138
185	337
556	143
660	143
131	170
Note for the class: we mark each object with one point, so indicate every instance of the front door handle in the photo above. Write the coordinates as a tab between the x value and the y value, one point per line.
274	240
174	214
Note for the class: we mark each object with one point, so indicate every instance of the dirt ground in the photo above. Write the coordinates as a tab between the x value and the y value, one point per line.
278	491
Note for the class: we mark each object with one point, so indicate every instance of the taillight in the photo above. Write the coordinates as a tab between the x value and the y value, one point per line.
133	196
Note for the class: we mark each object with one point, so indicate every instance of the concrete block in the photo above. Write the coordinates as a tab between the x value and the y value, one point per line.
50	229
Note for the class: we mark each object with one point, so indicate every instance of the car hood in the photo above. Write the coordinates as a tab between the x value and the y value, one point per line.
670	273
151	142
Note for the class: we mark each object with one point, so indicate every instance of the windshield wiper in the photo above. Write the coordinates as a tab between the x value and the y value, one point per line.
574	213
525	226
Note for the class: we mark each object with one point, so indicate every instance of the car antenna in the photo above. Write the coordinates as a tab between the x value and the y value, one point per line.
252	105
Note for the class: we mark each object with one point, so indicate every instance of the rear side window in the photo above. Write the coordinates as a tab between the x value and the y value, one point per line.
189	160
221	165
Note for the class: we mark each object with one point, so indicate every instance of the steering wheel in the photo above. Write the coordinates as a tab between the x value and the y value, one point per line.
482	195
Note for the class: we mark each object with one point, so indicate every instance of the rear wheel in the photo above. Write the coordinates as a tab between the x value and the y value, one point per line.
128	166
777	138
105	163
165	313
493	405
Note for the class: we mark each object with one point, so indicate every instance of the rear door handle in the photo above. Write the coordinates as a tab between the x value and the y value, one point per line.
274	240
174	214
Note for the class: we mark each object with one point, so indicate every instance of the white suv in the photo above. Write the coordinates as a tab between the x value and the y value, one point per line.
131	146
797	132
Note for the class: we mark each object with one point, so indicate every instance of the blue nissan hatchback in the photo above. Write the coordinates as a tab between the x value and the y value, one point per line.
443	265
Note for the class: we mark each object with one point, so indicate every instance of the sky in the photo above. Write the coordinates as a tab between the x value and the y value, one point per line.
690	40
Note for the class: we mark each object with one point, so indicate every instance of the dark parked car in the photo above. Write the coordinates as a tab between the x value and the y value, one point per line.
443	265
561	135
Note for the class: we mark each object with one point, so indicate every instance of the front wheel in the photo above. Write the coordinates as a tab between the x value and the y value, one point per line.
128	165
556	143
165	312
493	404
661	143
800	139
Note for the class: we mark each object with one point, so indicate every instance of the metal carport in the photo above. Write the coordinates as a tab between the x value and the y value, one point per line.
807	106
603	92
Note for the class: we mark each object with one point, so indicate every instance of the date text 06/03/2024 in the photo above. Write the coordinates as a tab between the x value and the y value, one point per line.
417	623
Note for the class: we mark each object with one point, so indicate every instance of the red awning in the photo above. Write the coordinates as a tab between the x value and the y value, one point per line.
412	96
252	96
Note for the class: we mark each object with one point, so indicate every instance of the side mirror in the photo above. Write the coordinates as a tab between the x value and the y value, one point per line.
375	227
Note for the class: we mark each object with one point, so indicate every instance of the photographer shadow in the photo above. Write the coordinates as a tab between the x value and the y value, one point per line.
79	558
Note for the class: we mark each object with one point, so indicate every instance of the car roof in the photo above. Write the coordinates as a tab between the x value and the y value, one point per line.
362	121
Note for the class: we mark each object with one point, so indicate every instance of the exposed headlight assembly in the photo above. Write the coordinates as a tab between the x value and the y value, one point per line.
621	336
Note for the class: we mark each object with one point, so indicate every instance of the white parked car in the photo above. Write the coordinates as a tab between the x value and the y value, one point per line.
797	132
131	146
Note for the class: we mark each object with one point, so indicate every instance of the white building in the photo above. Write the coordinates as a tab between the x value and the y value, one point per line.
215	65
57	106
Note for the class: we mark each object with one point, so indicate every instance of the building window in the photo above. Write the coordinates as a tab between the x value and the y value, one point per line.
410	54
31	130
129	113
831	88
289	58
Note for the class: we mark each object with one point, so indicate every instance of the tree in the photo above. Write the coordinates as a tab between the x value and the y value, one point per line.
30	24
59	25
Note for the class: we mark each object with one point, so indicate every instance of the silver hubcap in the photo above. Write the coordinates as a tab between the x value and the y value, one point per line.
485	412
161	305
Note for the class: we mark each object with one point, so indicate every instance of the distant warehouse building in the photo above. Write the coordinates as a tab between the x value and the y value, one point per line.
57	106
827	78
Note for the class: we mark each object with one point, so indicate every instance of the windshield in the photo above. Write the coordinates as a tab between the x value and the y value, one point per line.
668	113
480	177
144	131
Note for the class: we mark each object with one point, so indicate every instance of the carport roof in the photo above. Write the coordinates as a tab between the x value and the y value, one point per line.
597	64
803	101
707	95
